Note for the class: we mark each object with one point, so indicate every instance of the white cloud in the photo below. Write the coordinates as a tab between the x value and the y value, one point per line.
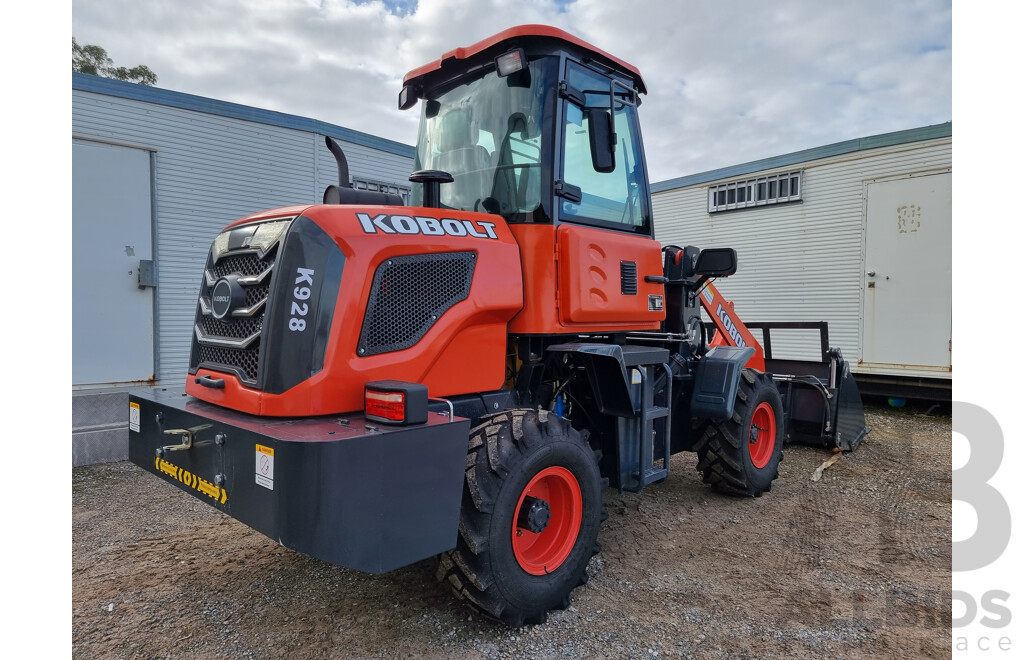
727	83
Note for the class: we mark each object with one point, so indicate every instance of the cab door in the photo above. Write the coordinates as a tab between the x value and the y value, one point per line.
609	265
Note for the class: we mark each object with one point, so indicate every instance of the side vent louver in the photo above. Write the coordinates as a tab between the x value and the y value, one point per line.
628	271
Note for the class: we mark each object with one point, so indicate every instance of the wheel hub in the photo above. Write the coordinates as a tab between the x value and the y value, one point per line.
534	514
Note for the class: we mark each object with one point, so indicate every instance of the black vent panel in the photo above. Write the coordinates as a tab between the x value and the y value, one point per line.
627	270
409	295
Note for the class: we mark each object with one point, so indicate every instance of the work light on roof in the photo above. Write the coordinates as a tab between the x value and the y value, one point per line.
510	62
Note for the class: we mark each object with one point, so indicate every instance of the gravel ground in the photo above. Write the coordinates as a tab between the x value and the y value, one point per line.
855	565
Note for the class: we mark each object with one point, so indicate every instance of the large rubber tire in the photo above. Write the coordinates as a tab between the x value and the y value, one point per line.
501	570
741	455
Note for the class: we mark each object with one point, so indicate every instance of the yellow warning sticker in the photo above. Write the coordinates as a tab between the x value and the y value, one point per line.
134	415
265	466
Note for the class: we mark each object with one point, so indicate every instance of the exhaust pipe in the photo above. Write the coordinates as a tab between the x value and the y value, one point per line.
339	156
344	193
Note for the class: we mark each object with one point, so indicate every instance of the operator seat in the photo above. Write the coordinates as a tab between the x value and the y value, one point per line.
468	162
516	186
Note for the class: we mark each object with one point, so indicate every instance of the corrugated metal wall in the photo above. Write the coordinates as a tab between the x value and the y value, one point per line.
799	261
210	170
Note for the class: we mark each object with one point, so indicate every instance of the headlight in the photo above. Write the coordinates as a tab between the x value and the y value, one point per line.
260	237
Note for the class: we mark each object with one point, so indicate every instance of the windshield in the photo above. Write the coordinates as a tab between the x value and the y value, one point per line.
488	135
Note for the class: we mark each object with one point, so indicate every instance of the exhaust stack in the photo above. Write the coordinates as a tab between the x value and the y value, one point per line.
339	156
344	193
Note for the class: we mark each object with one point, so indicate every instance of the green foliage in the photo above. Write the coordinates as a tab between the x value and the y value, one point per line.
95	61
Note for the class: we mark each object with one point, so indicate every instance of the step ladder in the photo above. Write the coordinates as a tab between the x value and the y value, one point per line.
638	435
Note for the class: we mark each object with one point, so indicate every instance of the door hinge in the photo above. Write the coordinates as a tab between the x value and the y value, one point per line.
571	93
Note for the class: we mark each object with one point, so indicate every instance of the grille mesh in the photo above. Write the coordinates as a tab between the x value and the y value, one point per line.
243	264
232	328
409	295
245	362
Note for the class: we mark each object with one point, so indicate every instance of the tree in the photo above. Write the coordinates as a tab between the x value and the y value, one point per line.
95	61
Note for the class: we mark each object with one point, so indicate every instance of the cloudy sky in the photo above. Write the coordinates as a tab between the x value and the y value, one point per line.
728	82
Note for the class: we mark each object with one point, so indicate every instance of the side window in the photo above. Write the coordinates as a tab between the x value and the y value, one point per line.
607	197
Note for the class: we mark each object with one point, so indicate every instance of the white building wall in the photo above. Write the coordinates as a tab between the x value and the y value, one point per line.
208	171
800	261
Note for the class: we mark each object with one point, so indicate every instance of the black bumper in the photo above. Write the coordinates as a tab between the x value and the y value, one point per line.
369	497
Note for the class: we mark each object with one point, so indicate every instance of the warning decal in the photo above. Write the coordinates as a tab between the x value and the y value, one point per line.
265	466
133	416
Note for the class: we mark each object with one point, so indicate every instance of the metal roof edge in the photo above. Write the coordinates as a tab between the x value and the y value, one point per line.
921	134
119	88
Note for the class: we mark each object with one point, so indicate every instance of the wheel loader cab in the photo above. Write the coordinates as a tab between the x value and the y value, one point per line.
542	129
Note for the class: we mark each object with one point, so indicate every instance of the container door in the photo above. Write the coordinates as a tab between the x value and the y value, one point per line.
908	272
112	318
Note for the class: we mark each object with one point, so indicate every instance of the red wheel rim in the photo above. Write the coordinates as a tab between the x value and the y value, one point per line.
762	435
543	552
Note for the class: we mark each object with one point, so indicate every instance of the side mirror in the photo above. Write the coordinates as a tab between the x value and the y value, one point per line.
602	144
716	262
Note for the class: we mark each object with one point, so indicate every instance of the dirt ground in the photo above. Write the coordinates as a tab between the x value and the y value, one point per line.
855	565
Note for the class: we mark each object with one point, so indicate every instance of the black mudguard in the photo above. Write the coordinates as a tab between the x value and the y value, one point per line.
718	378
365	496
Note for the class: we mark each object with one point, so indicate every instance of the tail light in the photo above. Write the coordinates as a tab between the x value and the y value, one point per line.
395	402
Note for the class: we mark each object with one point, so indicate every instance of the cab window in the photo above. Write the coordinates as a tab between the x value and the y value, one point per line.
616	198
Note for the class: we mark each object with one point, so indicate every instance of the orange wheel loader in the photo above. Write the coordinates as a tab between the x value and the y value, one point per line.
374	383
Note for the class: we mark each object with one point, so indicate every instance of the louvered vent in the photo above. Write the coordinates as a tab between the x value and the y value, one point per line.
628	271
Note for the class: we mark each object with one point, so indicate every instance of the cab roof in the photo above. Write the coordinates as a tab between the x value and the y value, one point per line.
523	34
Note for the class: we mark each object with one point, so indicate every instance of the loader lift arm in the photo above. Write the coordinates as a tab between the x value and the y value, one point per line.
731	331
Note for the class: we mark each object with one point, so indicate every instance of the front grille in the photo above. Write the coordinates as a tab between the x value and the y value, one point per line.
232	344
409	295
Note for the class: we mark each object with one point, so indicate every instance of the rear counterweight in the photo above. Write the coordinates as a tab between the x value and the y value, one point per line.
369	497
